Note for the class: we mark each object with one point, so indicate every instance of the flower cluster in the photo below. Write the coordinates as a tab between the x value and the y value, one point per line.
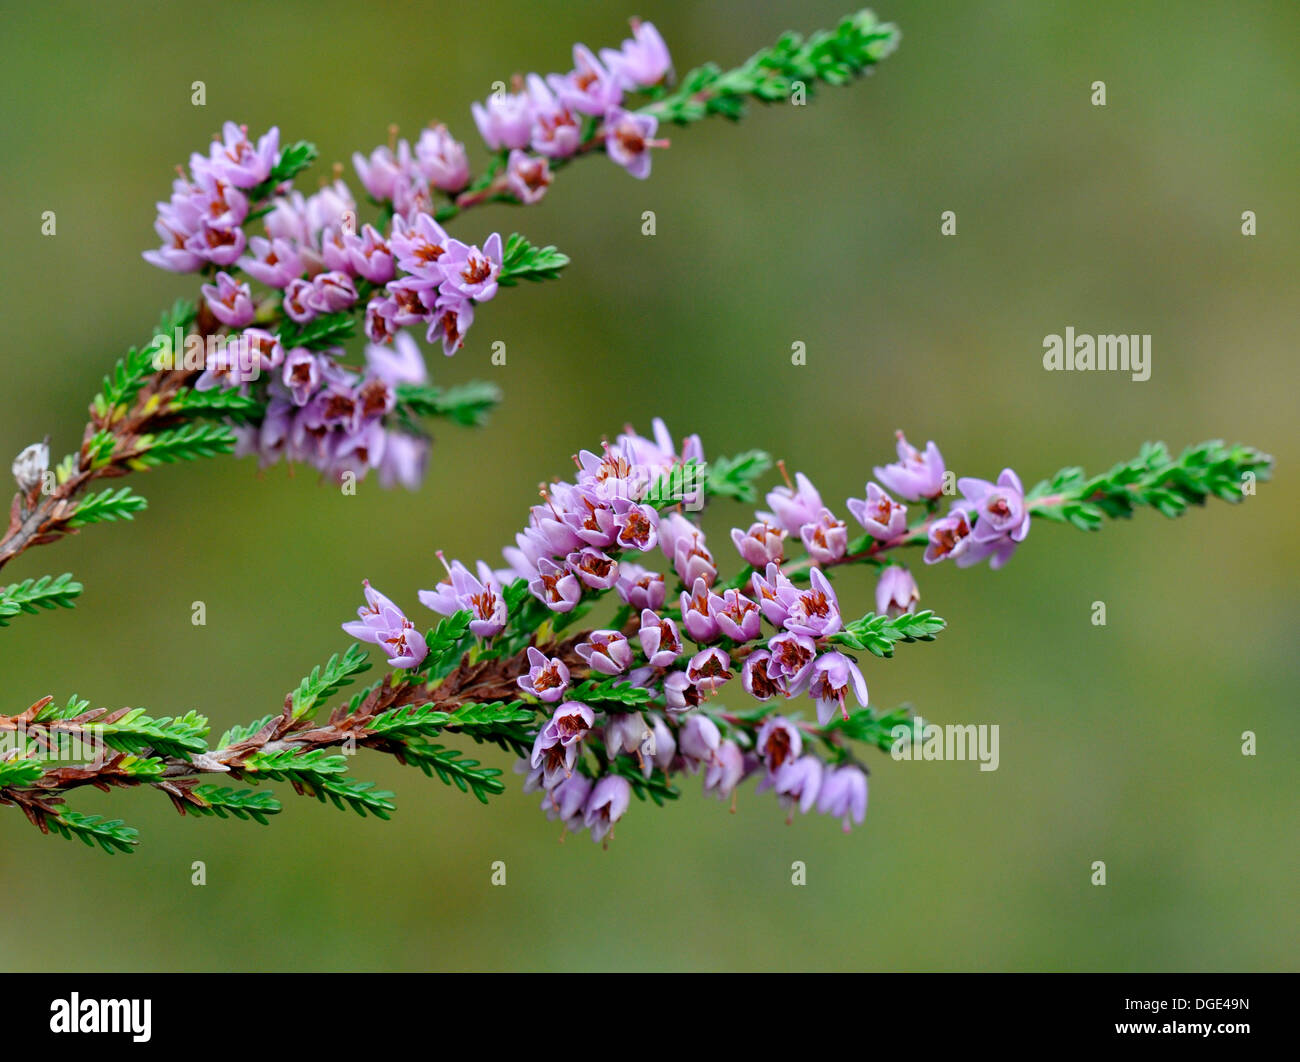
777	631
400	272
554	116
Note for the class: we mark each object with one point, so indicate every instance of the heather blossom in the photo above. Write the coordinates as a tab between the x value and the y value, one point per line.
882	517
896	591
915	476
382	623
547	677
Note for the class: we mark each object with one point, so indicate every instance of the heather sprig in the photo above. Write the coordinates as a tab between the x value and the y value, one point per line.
595	717
260	365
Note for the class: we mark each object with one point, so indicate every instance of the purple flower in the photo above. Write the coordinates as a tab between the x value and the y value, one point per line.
607	652
273	262
402	363
761	545
554	759
471	272
369	256
791	661
844	794
773	594
627	732
236	160
949	537
606	805
737	617
218	242
547	677
629	138
832	675
1001	518
638	525
915	475
481	596
709	669
567	802
680	694
826	539
380	173
597	570
231	302
684	543
569	724
883	517
301	374
419	247
642	61
556	747
527	176
725	772
815	611
797	784
640	588
382	623
590	89
505	120
297	301
659	640
665	747
331	292
556	131
697	615
778	742
451	320
896	592
754	677
442	159
404	460
555	587
791	509
698	740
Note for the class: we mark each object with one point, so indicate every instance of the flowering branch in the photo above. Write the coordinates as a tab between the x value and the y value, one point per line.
264	373
604	714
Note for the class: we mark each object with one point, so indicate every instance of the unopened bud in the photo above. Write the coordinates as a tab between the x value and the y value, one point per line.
29	467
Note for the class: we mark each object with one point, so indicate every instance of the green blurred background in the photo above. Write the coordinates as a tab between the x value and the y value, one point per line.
816	224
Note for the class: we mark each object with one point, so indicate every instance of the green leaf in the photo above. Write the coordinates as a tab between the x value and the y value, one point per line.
295	765
447	642
345	793
231	404
466	404
610	691
870	727
878	634
452	767
183	444
236	734
20	771
107	505
327	330
294	158
523	261
426	720
324	682
1154	480
733	477
223	802
112	835
135	732
32	595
